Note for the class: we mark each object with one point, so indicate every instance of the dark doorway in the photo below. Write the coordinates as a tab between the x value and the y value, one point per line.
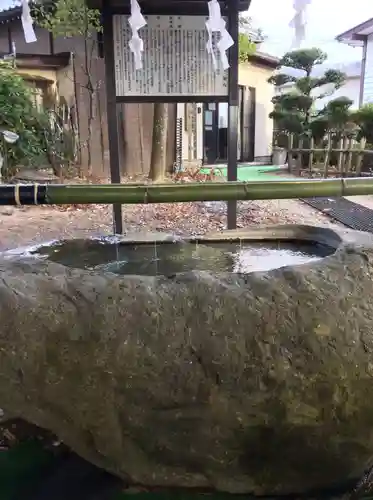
215	129
210	133
215	132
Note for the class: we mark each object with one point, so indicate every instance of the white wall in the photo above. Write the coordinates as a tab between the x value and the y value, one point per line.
199	132
252	75
368	80
350	89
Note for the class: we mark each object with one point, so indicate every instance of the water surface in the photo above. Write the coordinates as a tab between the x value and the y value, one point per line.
169	258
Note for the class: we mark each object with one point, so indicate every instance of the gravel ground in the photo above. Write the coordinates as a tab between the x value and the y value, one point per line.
365	200
24	226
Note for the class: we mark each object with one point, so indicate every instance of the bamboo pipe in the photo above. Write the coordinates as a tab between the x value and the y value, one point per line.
54	194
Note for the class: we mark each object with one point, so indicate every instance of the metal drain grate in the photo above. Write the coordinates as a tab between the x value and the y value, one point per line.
345	211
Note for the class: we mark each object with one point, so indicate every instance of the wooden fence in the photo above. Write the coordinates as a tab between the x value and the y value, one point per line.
342	157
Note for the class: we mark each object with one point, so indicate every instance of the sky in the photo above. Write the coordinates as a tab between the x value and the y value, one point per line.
6	4
325	20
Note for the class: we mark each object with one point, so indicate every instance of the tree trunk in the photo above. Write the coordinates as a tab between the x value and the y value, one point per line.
159	149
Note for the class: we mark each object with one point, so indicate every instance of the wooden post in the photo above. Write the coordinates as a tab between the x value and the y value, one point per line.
111	109
348	167
290	152
327	155
340	156
300	157
310	158
233	105
360	156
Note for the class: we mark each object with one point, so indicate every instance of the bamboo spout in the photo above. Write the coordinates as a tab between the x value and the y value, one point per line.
52	194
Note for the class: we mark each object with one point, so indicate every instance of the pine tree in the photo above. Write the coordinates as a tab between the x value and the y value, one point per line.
294	111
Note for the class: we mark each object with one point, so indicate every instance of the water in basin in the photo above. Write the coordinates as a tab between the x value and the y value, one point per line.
169	258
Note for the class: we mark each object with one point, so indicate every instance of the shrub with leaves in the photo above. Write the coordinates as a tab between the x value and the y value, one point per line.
294	110
68	18
248	38
19	114
246	47
336	117
363	117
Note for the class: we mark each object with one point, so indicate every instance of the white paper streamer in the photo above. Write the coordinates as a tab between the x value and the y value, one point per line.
216	24
27	23
299	21
136	21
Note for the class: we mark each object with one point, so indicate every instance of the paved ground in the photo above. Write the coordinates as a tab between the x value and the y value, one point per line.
365	201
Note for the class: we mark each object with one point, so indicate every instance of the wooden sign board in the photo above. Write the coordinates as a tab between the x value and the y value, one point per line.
175	60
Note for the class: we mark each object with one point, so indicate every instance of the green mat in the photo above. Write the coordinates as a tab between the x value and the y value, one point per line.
249	173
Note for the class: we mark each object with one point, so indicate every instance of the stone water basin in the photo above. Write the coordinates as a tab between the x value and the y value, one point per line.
240	362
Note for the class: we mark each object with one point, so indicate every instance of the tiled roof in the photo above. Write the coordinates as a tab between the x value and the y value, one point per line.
9	9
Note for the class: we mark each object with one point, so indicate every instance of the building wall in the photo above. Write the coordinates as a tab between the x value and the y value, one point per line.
4	39
41	46
250	75
197	135
43	82
256	76
368	80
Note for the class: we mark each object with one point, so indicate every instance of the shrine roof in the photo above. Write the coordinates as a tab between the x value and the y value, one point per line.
167	7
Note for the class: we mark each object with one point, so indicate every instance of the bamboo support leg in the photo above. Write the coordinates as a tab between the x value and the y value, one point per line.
327	156
310	158
360	157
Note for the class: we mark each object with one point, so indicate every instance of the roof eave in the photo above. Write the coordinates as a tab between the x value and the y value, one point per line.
356	36
353	42
40	61
264	59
